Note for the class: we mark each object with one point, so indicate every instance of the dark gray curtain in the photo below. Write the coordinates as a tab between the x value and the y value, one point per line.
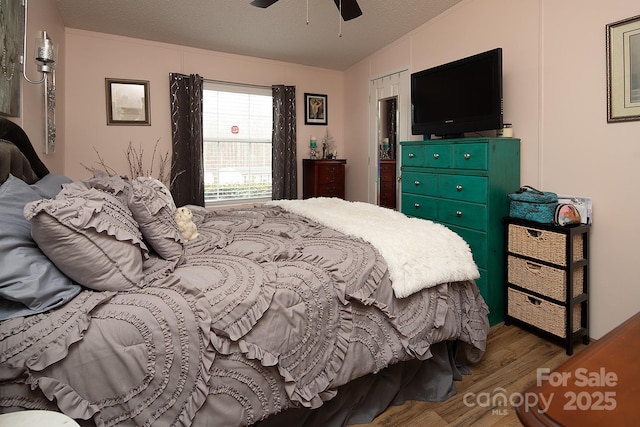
187	170
284	162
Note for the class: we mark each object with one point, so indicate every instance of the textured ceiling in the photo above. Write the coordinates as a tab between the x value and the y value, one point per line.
279	32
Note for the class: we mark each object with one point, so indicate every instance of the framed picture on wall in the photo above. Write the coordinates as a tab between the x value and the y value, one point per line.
315	109
127	102
623	70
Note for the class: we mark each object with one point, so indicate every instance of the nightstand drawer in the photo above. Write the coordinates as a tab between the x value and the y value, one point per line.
542	314
543	279
420	206
545	245
425	184
467	188
464	214
470	156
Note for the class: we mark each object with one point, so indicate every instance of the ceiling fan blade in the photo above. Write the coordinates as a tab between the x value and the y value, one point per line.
350	9
263	3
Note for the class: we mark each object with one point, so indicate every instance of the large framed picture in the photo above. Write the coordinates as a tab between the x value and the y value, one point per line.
315	109
623	70
127	102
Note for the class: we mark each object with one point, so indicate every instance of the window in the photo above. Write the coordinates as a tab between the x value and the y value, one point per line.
237	125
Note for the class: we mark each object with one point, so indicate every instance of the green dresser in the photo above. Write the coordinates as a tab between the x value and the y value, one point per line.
463	184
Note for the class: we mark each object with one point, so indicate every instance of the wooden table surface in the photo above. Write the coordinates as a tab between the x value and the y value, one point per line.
600	386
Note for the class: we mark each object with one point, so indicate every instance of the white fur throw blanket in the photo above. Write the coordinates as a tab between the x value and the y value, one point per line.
419	253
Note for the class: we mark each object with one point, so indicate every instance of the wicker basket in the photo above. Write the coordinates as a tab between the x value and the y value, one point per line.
544	245
545	280
542	314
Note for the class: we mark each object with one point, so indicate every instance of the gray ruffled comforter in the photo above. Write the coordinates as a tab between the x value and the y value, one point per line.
268	311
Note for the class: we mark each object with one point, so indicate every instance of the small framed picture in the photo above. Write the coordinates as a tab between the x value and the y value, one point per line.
127	102
315	109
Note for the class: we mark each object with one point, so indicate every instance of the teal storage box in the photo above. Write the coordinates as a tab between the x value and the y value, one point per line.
533	205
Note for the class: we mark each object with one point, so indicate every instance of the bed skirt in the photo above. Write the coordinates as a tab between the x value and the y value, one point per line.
431	380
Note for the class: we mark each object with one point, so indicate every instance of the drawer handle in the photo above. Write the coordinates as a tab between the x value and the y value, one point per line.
436	156
331	180
332	170
534	233
416	205
534	268
459	187
467	156
458	214
411	155
534	301
416	182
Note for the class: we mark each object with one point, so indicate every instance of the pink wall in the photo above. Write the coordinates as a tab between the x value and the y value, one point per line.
555	96
92	57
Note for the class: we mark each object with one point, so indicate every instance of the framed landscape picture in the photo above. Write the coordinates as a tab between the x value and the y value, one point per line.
127	102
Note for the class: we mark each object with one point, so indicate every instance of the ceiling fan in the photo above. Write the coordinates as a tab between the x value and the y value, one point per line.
348	8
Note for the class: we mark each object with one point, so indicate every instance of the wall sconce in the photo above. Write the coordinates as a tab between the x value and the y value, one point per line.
45	56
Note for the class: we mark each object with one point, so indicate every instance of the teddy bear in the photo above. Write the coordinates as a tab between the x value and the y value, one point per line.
184	219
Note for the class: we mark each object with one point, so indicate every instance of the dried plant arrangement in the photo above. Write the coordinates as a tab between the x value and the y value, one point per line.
135	160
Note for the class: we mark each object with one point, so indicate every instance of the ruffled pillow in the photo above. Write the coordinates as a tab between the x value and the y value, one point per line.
91	236
152	207
113	184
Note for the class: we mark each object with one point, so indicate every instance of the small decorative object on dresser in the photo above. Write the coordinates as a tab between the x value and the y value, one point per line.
323	178
547	279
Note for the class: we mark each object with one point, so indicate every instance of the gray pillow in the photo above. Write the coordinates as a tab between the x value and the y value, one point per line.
50	185
29	282
152	207
90	236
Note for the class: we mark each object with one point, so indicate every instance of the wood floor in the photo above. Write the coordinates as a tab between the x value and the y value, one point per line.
510	362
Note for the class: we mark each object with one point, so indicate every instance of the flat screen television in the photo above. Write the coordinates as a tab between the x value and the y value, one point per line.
458	97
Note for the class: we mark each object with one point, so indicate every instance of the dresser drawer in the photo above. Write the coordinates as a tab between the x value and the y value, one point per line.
438	156
464	214
331	190
330	174
413	156
541	244
543	279
542	314
460	187
387	169
470	156
422	183
477	241
419	206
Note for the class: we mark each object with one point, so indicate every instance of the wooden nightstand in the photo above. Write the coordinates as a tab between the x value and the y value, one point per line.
323	178
547	279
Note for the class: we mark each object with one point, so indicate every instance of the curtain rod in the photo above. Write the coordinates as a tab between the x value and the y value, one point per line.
237	84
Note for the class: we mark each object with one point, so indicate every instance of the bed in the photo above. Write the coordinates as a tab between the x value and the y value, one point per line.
318	312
